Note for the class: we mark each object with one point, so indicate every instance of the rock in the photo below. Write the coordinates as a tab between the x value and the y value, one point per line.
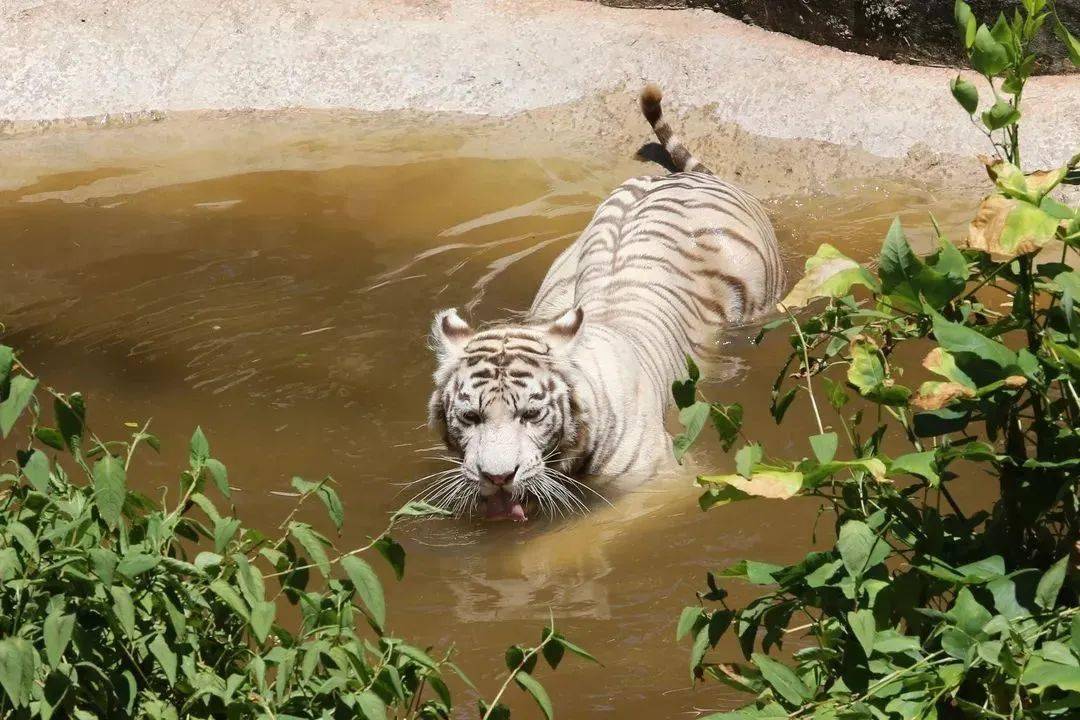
915	31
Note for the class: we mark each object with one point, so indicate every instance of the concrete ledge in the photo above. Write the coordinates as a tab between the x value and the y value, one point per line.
91	58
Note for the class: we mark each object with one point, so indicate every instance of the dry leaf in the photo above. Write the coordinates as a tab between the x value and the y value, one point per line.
936	395
1007	228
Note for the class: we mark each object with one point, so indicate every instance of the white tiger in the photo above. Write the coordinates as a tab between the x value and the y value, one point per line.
581	385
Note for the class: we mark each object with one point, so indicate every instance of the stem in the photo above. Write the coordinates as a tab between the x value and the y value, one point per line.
524	660
806	364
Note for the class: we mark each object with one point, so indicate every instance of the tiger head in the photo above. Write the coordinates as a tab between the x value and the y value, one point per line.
506	406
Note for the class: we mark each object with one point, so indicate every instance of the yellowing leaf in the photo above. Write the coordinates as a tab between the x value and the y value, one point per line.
935	395
1007	228
773	484
1041	182
941	362
1015	184
829	273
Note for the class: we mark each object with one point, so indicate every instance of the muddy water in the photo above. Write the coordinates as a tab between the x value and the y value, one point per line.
283	306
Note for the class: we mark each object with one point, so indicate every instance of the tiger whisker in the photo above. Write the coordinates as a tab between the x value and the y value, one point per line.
577	483
438	476
562	494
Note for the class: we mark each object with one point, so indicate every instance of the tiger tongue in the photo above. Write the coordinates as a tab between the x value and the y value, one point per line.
500	506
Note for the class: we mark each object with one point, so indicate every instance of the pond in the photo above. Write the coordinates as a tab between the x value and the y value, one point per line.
280	298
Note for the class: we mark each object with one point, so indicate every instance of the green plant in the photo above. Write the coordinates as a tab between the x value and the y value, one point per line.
113	605
923	608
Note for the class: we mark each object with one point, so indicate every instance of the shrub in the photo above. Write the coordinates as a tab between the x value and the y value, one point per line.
114	606
923	608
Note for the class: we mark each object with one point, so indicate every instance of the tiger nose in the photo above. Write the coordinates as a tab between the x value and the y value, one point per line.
499	480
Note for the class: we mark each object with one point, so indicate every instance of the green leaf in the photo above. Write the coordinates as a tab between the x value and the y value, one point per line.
329	498
262	619
866	372
693	419
823	574
417	509
25	537
515	656
417	655
1072	45
17	661
57	631
965	21
136	564
553	651
19	394
499	712
198	448
834	391
699	648
1050	584
527	683
50	436
988	56
371	706
966	94
110	488
104	563
824	446
312	545
230	597
71	418
394	554
1001	114
889	641
123	609
979	350
860	548
957	643
1042	674
829	273
747	457
224	530
781	403
727	419
577	650
165	656
685	391
985	570
250	580
7	361
781	678
864	627
367	586
687	619
899	268
921	464
969	615
36	471
220	475
758	573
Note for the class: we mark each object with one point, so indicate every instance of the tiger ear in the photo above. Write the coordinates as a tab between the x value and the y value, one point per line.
449	334
566	327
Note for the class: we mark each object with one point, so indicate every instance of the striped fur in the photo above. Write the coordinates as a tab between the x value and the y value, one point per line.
664	263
